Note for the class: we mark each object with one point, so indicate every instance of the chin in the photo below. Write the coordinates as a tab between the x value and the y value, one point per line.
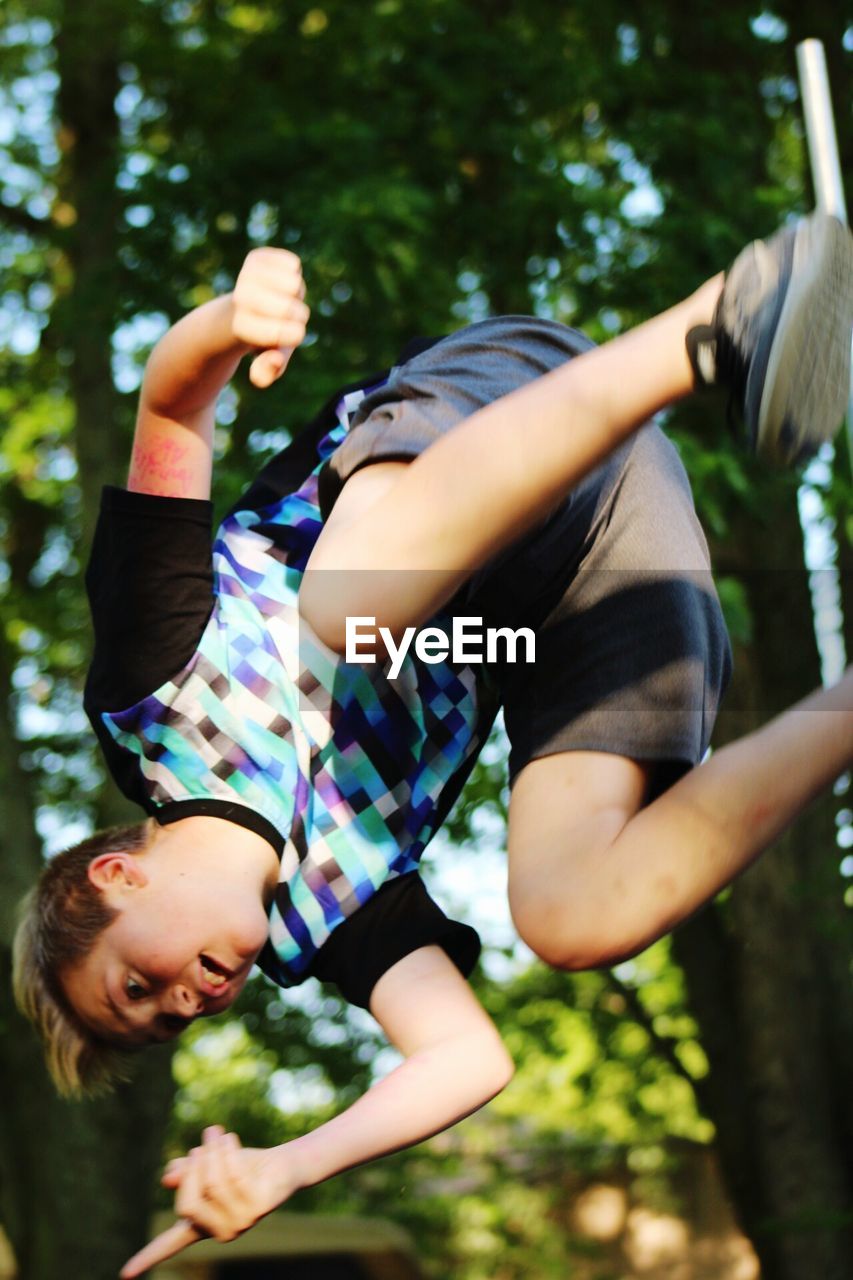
218	1004
215	1007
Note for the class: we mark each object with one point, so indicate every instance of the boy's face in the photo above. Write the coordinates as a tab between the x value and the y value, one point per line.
179	948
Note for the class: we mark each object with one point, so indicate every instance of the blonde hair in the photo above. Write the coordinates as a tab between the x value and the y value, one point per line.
59	922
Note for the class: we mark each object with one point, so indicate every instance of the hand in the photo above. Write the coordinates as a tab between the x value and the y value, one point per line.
269	310
223	1189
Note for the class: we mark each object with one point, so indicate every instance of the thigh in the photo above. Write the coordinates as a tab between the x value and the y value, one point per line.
632	659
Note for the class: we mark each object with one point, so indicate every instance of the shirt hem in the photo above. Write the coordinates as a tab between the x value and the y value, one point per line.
238	814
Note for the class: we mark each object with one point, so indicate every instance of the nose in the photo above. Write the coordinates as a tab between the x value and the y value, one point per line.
185	1003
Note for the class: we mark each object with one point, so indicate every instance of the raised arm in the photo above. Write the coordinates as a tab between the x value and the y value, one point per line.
454	1062
266	313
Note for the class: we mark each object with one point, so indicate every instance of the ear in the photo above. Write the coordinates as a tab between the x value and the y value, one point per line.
117	871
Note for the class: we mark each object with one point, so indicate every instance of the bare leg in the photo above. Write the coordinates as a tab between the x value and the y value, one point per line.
595	878
494	476
491	478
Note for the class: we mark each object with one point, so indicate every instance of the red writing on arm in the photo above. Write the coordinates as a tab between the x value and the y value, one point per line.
163	467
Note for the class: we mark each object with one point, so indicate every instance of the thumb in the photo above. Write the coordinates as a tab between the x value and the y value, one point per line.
174	1171
269	366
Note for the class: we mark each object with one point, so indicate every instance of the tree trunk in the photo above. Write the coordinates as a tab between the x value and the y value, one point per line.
87	61
765	968
76	1180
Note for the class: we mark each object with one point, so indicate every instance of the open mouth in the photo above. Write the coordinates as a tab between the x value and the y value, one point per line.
214	976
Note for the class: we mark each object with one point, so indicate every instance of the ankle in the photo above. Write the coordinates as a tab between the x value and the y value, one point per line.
701	305
697	317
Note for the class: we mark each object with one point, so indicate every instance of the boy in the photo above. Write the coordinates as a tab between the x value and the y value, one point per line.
478	479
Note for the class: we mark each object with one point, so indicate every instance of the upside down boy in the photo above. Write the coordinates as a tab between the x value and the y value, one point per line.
509	471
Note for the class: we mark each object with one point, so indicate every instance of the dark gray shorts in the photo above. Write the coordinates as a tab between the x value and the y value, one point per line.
632	655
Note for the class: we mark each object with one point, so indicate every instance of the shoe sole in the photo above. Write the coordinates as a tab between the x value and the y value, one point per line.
807	379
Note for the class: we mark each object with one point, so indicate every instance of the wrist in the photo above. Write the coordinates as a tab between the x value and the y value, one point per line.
218	315
293	1168
193	361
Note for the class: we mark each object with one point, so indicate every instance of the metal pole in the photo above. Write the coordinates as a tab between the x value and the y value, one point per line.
823	151
820	129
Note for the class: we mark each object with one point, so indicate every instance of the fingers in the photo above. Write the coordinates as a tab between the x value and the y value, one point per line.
166	1245
173	1173
222	1176
212	1197
207	1195
189	1202
175	1169
267	367
265	320
273	261
285	297
269	301
230	1166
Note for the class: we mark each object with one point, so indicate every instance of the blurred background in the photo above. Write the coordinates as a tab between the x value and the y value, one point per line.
689	1114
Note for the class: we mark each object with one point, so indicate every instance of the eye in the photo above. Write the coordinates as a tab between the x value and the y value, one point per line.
135	990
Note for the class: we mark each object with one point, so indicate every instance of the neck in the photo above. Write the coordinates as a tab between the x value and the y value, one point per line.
232	853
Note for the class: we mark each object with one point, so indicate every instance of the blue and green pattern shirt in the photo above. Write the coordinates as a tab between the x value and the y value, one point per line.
347	772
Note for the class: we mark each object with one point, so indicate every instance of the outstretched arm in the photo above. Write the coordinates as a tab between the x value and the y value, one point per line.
266	313
454	1063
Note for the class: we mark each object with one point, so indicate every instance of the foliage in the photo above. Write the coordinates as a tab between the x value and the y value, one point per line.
430	162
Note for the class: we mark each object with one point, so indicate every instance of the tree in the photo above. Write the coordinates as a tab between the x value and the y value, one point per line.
768	969
419	193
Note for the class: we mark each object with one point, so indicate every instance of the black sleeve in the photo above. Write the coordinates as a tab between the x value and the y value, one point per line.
150	587
400	918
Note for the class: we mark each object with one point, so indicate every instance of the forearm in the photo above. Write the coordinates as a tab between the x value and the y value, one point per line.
454	1062
429	1092
192	363
266	315
223	1189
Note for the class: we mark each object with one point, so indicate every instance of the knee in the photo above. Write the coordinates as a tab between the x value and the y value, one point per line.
571	897
568	936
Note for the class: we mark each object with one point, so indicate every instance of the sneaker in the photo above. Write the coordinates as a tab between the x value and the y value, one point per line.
780	338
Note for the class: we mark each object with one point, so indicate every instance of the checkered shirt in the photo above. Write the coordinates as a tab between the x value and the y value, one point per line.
345	764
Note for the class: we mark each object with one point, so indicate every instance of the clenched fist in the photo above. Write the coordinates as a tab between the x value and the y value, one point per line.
269	310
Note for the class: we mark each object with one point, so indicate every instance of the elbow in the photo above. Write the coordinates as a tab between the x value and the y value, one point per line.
498	1067
318	611
338	613
507	1070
